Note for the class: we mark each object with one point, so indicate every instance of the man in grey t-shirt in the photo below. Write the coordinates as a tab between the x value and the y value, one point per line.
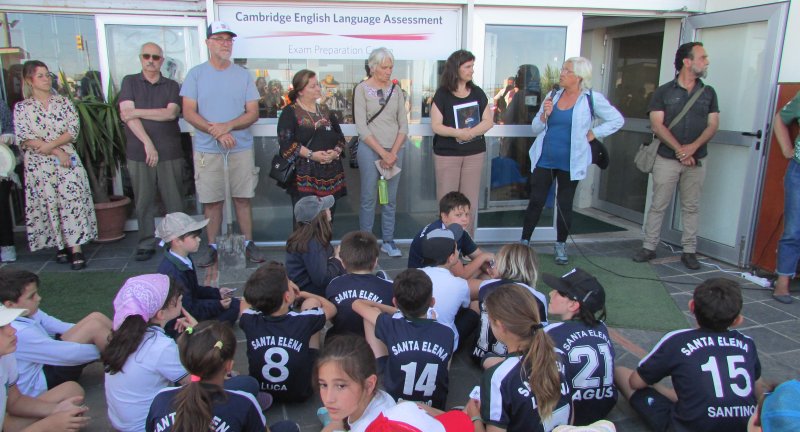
221	101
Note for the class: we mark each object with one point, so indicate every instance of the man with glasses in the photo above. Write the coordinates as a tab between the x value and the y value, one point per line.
221	101
149	106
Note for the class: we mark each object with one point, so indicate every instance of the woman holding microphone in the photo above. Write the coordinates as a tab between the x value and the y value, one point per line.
561	152
382	123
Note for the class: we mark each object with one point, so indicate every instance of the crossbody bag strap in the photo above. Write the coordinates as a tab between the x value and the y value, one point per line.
686	107
382	106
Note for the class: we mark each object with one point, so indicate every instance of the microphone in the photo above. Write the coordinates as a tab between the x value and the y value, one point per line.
555	89
395	82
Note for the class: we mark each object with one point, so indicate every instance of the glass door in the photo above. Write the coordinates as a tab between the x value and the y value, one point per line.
520	53
744	49
635	61
119	40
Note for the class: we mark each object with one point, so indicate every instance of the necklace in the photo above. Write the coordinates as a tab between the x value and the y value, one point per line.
308	112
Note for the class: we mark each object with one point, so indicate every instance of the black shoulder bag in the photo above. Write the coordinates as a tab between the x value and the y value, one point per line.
353	144
282	170
599	150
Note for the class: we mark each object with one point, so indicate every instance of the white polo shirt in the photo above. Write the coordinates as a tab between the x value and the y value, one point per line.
8	378
451	294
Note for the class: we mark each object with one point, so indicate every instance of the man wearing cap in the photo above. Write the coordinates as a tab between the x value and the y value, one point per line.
221	101
59	408
149	104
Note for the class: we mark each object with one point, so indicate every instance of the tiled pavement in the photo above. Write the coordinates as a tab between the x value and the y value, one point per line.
772	325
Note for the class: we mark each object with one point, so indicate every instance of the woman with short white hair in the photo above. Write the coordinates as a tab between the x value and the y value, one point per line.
563	127
381	119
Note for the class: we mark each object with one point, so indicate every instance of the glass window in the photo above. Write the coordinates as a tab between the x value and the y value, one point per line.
417	78
125	41
53	39
521	65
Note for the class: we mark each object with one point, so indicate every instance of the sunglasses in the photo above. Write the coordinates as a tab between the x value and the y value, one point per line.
155	57
381	99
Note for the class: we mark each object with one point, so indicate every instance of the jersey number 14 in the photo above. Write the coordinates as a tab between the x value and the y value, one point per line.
426	382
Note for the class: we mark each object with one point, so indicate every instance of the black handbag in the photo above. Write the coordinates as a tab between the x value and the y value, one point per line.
599	150
282	170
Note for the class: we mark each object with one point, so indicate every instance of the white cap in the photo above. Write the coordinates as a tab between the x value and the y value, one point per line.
10	314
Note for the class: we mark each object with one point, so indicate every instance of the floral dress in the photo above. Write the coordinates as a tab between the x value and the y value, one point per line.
58	203
318	131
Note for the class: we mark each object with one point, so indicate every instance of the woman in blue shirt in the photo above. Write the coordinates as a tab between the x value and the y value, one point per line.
561	152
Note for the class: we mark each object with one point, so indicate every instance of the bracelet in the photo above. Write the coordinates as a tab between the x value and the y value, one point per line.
476	418
310	153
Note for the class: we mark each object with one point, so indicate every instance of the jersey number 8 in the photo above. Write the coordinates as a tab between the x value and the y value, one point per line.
279	366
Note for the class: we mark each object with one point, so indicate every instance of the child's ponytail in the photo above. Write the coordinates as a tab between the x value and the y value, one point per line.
203	351
516	308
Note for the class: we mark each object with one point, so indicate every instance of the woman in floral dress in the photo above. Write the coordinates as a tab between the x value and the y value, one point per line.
309	134
58	203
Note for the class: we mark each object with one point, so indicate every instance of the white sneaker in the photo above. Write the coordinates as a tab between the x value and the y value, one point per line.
391	249
8	254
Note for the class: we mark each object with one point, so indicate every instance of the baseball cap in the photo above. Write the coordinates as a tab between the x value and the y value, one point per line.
580	286
781	409
10	314
177	224
217	27
308	207
408	417
440	243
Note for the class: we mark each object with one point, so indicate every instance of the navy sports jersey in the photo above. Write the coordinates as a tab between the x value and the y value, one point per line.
588	355
278	353
486	342
714	375
465	245
345	289
508	402
419	356
235	411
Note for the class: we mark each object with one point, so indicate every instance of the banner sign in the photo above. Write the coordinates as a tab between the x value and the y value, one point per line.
341	32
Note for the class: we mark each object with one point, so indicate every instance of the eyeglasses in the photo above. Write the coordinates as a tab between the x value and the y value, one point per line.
381	99
155	57
223	41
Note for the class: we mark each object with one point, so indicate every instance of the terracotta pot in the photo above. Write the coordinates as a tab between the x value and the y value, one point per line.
111	217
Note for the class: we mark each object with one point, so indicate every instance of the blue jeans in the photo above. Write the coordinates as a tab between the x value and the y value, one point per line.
369	192
789	244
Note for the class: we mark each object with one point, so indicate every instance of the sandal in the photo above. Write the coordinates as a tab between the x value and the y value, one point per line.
78	261
62	256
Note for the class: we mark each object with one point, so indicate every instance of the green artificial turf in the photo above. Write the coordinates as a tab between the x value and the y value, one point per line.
630	303
71	296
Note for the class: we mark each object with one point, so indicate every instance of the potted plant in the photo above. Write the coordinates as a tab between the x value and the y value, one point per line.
101	147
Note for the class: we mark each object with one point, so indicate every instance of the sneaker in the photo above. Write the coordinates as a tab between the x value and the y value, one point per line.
561	253
254	253
206	258
391	249
382	274
8	254
643	255
690	261
264	400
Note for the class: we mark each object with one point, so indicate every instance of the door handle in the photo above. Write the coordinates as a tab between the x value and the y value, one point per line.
756	134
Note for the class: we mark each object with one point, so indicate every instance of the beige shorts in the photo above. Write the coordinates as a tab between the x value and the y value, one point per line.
209	175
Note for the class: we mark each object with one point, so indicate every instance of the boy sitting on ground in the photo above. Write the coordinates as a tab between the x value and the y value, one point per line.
49	351
56	410
418	349
282	344
452	292
714	370
181	233
454	208
359	254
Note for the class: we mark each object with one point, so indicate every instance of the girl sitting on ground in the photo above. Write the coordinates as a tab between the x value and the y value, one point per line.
527	390
207	352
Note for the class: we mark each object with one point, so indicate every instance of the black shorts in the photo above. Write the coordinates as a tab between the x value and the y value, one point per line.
654	408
